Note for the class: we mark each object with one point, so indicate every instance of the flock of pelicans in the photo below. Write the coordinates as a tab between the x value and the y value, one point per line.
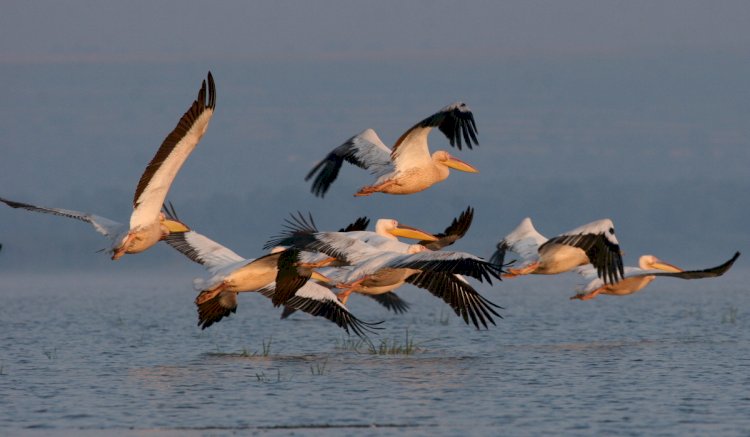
305	265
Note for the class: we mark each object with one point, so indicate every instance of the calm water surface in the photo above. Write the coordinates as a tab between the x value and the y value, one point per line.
81	353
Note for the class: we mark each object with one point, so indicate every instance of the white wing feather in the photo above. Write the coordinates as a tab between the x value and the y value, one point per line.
525	241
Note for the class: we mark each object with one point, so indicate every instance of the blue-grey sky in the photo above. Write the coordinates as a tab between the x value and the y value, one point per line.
633	110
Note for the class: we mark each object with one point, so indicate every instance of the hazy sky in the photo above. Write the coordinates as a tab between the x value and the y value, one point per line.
634	110
109	30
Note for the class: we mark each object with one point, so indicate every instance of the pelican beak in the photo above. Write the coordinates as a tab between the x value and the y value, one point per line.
319	277
175	226
413	233
661	265
459	165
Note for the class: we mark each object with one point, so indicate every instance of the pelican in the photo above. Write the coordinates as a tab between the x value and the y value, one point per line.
232	274
638	278
375	271
594	243
147	224
407	168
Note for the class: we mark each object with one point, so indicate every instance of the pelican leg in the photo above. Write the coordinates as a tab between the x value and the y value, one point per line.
344	295
366	191
588	296
512	273
209	294
316	265
348	289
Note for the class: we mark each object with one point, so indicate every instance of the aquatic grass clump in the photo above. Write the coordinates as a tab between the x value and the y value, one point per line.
394	347
384	347
262	377
319	368
266	351
350	344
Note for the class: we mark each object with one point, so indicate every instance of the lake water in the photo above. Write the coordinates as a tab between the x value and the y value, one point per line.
82	353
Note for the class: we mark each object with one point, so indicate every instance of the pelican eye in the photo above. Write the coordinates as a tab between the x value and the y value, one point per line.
612	231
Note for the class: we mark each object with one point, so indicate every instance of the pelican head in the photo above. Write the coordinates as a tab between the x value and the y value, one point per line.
650	262
441	157
392	228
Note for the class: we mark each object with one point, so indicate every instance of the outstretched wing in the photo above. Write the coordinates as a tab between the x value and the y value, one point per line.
452	233
108	228
215	309
157	178
700	274
465	301
289	277
391	301
358	225
598	240
460	263
203	250
523	240
365	150
455	121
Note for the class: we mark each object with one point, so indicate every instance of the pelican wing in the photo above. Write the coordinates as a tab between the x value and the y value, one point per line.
462	297
289	277
358	225
452	233
108	228
301	233
461	263
598	240
203	250
524	240
455	121
365	150
319	301
700	274
157	178
215	309
391	301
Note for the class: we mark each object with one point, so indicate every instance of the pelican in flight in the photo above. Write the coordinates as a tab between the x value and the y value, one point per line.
594	243
147	224
232	274
408	167
638	278
371	270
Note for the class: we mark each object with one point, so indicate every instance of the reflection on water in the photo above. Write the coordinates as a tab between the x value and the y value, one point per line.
105	358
